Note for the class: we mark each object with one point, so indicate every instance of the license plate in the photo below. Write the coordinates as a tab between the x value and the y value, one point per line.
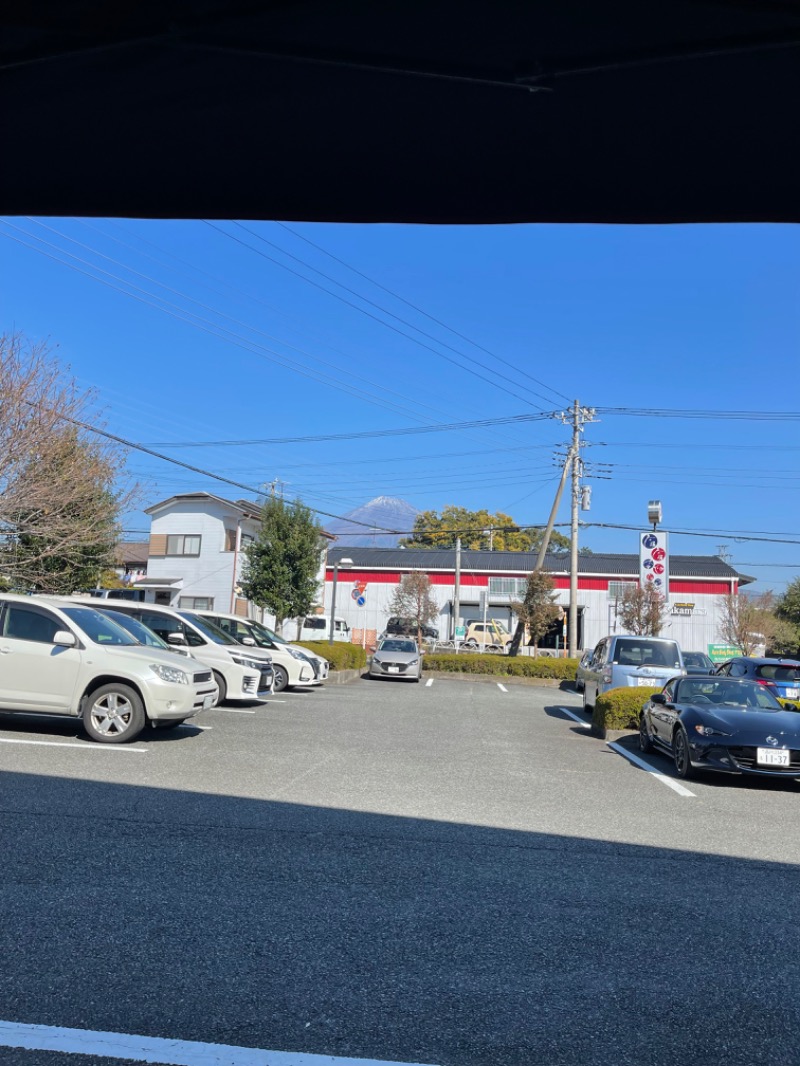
649	681
791	693
394	669
208	701
768	757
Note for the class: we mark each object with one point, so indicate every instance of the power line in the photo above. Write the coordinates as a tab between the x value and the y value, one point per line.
363	311
480	423
704	414
419	310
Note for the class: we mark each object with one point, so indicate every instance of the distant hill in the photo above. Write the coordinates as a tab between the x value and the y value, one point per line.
385	512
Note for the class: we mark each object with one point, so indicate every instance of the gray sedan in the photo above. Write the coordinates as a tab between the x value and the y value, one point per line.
397	657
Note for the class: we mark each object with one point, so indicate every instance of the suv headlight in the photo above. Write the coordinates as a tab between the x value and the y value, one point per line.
295	654
170	673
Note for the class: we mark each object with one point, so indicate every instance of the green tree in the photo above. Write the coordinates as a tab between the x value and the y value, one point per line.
281	566
642	610
413	598
477	529
538	610
788	606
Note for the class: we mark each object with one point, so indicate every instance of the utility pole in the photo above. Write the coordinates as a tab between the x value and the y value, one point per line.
456	590
580	415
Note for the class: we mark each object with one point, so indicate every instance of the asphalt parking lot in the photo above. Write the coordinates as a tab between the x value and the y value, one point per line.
448	873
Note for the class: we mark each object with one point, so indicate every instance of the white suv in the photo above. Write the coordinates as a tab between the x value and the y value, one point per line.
292	664
66	658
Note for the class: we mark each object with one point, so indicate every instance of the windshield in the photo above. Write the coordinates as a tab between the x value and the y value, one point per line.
636	651
696	658
398	645
214	633
263	631
779	671
140	632
98	627
726	693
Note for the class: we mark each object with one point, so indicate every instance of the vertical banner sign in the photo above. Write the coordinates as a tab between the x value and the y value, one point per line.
654	561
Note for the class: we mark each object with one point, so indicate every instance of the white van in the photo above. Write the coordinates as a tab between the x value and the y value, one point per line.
240	673
318	627
291	664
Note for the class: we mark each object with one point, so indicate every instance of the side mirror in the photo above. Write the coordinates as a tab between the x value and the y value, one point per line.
176	638
658	697
64	639
249	642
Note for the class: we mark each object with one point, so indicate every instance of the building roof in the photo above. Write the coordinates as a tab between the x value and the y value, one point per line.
246	507
601	564
131	551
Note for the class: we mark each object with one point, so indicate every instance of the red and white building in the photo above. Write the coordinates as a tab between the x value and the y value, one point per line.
697	587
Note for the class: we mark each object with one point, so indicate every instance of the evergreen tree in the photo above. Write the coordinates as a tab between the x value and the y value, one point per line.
281	567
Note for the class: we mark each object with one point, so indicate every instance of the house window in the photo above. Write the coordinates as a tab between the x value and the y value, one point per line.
508	586
616	589
183	545
230	540
196	603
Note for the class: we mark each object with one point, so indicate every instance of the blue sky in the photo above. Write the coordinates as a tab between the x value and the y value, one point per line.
225	332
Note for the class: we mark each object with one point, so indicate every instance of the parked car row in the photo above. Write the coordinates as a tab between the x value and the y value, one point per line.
119	665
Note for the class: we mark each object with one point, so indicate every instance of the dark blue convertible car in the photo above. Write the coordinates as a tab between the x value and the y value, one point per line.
719	723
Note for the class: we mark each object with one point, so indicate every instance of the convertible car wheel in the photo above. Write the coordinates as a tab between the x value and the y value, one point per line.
680	753
645	743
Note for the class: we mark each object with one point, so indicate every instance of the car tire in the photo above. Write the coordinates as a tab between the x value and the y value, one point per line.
680	755
281	678
114	714
223	688
645	743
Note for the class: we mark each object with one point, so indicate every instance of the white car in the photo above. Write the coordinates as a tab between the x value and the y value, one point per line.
66	658
291	664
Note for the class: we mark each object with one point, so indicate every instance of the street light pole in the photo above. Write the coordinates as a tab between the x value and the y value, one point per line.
336	565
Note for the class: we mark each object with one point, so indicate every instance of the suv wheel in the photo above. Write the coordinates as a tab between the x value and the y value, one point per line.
114	714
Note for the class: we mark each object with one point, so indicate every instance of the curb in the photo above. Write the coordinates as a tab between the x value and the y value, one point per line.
342	677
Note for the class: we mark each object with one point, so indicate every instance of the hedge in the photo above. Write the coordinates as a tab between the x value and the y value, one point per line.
503	665
340	655
619	708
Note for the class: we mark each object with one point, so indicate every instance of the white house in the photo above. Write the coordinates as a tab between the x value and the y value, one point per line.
196	550
195	556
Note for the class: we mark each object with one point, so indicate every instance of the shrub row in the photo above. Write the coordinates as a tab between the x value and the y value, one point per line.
341	656
619	708
503	665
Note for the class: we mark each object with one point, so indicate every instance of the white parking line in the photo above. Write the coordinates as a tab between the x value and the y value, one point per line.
502	687
164	1052
646	766
580	721
77	745
429	682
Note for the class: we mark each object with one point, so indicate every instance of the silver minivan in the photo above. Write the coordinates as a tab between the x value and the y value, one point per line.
625	661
